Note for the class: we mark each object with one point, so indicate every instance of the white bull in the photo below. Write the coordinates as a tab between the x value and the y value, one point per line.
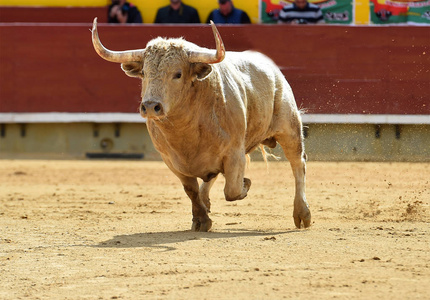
206	109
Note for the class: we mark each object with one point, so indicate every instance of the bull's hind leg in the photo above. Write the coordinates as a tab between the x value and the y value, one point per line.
291	141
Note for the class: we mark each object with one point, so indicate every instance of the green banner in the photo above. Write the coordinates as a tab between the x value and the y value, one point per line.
334	11
400	12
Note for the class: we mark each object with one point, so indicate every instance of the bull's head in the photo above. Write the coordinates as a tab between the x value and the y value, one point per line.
168	69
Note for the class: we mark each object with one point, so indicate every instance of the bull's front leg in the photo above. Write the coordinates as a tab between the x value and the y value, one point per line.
236	186
205	188
201	220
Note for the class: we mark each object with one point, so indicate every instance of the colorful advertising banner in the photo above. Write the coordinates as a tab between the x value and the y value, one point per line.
334	11
400	12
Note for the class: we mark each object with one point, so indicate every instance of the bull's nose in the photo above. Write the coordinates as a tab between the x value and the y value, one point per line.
151	109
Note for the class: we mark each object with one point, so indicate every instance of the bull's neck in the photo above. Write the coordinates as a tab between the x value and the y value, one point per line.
174	135
182	119
191	119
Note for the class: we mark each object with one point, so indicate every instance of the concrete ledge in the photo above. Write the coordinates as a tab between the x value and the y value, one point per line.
323	142
61	117
75	140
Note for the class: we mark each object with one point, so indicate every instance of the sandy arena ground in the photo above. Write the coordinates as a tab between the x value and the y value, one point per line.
120	230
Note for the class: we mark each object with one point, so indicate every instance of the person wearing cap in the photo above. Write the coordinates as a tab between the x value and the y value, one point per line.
228	14
177	12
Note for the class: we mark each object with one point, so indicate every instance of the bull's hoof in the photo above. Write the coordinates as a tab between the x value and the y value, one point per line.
201	226
302	217
246	186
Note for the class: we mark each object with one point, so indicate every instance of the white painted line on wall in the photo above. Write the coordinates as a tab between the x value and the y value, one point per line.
61	117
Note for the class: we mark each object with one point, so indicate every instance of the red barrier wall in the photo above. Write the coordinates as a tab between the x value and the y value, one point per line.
332	69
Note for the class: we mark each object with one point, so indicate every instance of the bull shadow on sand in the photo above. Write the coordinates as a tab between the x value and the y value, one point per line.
164	240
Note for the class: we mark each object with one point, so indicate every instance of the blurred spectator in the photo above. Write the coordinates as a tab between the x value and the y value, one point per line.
228	14
177	12
301	12
121	11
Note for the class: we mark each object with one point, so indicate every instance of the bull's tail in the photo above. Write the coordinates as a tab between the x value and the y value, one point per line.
266	154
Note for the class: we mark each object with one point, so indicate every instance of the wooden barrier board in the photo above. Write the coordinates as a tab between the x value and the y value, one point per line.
332	69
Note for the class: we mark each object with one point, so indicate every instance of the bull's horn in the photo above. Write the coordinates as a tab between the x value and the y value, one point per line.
114	56
210	56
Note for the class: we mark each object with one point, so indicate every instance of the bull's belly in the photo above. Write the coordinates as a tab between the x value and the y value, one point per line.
259	125
263	135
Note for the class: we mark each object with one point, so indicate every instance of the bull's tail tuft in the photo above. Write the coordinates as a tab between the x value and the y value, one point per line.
248	160
266	154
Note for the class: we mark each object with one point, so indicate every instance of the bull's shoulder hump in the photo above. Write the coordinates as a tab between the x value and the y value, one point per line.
249	56
247	53
251	60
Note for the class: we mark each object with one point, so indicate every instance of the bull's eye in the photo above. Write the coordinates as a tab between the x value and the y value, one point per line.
178	75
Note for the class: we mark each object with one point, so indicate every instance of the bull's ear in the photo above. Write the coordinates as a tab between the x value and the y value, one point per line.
201	70
133	69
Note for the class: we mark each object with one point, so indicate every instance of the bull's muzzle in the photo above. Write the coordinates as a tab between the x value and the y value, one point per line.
151	109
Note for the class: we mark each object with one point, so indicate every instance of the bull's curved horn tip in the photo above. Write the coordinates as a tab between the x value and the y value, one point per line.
212	24
95	23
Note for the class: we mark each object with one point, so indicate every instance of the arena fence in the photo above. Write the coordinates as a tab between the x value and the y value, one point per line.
364	90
